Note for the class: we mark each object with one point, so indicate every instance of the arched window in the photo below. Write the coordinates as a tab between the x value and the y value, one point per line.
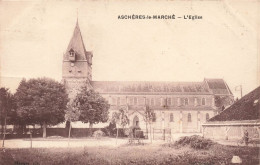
171	118
189	117
135	101
154	117
72	53
203	101
186	101
136	121
207	116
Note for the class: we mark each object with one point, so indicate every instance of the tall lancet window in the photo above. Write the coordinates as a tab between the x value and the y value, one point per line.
203	101
186	101
207	116
171	117
189	117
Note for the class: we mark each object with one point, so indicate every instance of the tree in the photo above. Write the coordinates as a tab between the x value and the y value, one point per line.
41	101
222	101
6	105
149	117
72	114
93	107
3	112
119	118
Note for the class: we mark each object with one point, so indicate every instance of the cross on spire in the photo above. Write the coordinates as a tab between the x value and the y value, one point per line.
77	15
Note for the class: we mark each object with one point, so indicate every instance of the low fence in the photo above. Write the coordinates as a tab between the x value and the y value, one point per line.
75	132
157	134
161	134
63	132
11	134
19	136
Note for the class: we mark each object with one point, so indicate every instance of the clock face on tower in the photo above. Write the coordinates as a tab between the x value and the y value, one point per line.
76	60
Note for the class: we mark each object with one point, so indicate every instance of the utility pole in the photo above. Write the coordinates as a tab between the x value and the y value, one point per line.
240	89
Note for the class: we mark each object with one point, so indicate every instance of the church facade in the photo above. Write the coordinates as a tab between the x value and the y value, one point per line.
180	106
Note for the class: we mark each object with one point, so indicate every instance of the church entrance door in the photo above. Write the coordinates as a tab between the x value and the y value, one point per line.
136	121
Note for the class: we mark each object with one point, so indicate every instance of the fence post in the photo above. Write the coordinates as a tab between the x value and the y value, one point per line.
3	145
153	133
170	135
164	134
202	131
31	138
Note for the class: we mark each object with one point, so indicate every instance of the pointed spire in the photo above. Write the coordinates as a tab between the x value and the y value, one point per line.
77	17
77	44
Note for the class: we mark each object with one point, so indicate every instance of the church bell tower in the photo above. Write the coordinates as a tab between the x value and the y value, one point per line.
77	64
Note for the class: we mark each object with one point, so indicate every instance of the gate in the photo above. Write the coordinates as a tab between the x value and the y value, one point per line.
161	134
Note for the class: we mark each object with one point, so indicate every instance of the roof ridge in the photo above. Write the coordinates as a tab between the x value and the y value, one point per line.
152	81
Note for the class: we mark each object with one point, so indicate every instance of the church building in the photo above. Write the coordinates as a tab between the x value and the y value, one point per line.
180	106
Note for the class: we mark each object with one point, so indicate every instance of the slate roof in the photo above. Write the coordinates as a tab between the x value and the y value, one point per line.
148	86
208	86
76	43
247	108
218	86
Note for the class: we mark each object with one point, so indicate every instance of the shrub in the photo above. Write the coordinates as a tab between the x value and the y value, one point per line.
195	141
126	131
98	134
110	130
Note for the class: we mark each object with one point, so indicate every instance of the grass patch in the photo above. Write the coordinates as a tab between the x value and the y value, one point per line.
148	154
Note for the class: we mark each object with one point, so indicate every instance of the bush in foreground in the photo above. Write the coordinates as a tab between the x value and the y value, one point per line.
195	141
98	134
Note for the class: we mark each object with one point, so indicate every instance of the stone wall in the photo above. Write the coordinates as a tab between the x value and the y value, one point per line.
231	131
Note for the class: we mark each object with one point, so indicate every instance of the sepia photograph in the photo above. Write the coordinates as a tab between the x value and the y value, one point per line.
129	82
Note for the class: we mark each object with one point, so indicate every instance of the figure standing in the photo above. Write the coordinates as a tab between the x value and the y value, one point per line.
246	137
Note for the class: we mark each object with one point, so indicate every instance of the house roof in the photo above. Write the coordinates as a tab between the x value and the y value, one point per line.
247	108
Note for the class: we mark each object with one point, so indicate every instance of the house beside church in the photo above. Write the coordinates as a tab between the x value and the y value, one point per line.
179	106
233	121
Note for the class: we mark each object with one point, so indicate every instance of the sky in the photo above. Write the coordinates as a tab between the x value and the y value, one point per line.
223	44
